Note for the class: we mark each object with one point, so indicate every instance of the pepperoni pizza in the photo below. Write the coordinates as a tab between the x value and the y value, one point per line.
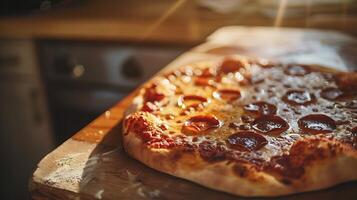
248	127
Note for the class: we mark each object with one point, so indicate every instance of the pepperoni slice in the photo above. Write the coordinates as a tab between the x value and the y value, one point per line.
191	101
227	94
151	95
200	124
299	97
230	65
260	108
270	124
316	123
331	93
204	81
297	70
246	141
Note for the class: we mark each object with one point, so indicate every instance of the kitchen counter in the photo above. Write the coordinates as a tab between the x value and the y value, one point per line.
165	21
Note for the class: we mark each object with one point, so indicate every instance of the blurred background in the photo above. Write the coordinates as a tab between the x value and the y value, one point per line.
64	62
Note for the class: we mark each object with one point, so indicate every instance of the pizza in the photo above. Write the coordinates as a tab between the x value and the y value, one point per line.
247	126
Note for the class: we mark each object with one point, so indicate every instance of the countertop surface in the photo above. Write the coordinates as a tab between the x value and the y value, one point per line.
93	165
166	21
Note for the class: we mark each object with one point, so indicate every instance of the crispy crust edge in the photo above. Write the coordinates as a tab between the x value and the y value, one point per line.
221	176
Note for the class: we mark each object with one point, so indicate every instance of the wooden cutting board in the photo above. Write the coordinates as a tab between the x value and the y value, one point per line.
93	165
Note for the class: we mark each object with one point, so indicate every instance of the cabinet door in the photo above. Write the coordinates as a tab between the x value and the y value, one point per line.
25	135
18	57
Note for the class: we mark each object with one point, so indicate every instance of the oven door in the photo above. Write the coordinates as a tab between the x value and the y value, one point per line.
85	79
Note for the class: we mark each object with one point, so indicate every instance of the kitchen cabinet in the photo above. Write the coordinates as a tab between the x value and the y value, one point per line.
25	134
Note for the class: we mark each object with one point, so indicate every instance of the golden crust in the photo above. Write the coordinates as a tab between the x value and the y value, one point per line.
223	176
324	161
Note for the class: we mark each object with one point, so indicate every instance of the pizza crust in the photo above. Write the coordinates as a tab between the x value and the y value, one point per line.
319	174
220	176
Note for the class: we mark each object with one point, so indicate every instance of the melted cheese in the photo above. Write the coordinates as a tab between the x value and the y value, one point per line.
275	83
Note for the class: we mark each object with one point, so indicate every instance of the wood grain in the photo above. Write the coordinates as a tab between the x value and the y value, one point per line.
93	165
